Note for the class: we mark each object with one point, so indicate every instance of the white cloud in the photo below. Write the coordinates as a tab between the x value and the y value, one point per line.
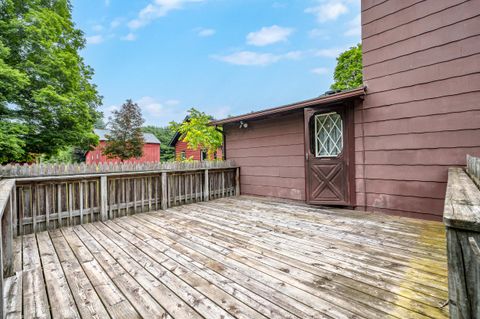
329	53
354	27
328	10
155	10
204	32
129	37
97	27
95	39
150	106
320	71
269	35
154	111
256	59
221	112
172	102
116	23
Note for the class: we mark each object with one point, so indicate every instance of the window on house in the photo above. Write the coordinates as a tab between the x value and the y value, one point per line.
328	135
203	155
183	156
215	155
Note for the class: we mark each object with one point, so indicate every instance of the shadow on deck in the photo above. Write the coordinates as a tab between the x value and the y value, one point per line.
239	257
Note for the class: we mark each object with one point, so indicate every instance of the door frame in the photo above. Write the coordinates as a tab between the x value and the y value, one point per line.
348	151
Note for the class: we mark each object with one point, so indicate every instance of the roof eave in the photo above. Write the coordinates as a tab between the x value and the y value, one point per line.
359	92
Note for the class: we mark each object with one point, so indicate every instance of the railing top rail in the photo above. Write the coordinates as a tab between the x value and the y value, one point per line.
462	201
50	170
6	187
21	179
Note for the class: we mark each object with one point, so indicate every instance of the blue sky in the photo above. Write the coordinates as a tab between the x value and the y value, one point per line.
224	57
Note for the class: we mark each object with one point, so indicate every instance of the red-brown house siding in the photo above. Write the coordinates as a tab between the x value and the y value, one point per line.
421	113
270	154
151	153
195	155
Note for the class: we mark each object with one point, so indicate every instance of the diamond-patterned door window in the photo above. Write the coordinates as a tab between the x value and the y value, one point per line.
328	135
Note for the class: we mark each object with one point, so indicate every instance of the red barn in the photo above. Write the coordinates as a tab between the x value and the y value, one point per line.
182	151
151	150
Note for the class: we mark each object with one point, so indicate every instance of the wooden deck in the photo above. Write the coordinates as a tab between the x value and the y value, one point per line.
239	257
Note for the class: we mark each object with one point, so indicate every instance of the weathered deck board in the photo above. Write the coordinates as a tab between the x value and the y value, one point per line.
240	257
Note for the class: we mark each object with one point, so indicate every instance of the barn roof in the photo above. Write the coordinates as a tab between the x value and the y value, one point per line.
148	137
327	98
177	135
174	139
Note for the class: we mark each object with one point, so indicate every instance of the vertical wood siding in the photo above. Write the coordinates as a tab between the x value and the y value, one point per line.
422	109
151	153
270	154
195	155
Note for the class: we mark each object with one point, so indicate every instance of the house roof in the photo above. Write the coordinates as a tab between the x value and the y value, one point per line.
326	98
177	135
174	139
148	137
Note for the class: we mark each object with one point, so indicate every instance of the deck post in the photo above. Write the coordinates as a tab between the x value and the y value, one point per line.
164	191
2	311
237	181
103	197
206	188
461	217
7	237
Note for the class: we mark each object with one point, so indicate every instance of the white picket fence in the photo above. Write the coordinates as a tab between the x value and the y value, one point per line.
17	170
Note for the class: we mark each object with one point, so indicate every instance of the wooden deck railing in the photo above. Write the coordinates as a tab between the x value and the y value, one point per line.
462	219
473	169
34	204
19	170
7	210
56	201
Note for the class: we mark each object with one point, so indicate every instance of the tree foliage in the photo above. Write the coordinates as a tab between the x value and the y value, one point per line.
125	139
197	132
46	97
348	72
164	135
11	142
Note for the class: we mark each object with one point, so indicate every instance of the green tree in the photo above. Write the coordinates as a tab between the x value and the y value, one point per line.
46	89
198	132
125	139
164	135
348	72
11	142
100	123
